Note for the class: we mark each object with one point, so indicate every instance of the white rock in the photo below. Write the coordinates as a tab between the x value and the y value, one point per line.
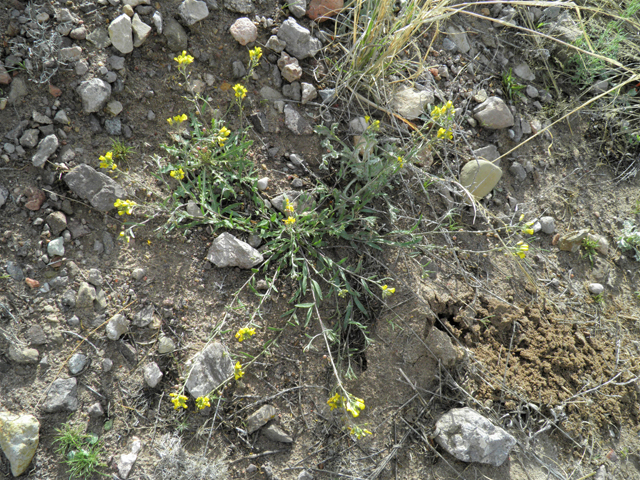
480	177
157	21
275	44
114	107
117	326
309	92
19	437
166	345
211	367
192	11
56	247
228	251
141	31
263	184
291	72
524	72
120	33
459	37
595	288
493	113
244	31
547	225
358	125
94	94
126	461
47	147
152	374
409	102
299	41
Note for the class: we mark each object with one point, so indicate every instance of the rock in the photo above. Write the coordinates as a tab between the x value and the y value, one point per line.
4	195
29	138
62	396
489	153
228	251
23	355
77	363
70	54
275	44
128	9
291	72
176	36
494	114
301	201
40	118
56	247
113	126
259	122
571	242
531	91
14	271
358	125
138	274
79	33
126	461
100	38
595	288
86	296
299	41
547	225
107	365
321	10
439	344
244	31
5	78
19	437
48	145
61	117
94	94
157	21
166	345
95	187
276	434
144	317
470	437
305	475
292	91
114	107
296	122
152	374
602	244
254	240
193	11
458	36
18	90
518	171
210	368
118	325
35	198
260	417
95	410
239	6
297	7
120	34
269	93
409	102
480	177
135	3
238	69
263	184
141	31
523	71
35	334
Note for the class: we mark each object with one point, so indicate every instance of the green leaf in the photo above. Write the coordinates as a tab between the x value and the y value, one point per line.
305	305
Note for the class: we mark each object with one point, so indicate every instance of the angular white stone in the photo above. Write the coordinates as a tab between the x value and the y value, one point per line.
409	102
244	31
228	251
19	437
120	33
141	31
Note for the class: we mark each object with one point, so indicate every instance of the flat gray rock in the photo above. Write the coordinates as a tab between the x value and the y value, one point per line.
77	363
29	138
121	34
95	187
23	355
489	153
211	367
458	36
19	437
141	31
193	11
276	434
523	71
239	6
296	122
260	417
86	296
571	242
47	147
100	38
480	177
470	437
299	41
144	317
94	94
409	102
152	374
228	251
493	113
176	36
62	396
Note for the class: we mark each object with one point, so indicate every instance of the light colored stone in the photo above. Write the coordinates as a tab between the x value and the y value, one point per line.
480	177
166	345
19	438
263	184
118	325
309	92
244	31
439	344
571	242
275	44
523	71
409	102
595	288
23	355
489	153
260	417
47	147
299	41
100	38
494	114
70	54
193	11
211	367
157	21
141	31
94	94
458	36
56	247
470	437
276	434
547	225
97	188
77	363
228	251
120	33
296	122
86	296
152	374
127	460
114	107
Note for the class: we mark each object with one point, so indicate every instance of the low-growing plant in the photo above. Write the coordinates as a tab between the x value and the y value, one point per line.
82	451
511	88
629	239
120	150
589	247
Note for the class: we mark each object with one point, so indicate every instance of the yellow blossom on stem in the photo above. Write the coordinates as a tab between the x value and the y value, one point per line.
177	119
238	372
124	206
335	401
521	249
255	55
290	221
245	333
445	133
183	58
387	291
202	403
106	161
240	91
354	406
288	207
223	136
177	174
401	161
178	400
125	237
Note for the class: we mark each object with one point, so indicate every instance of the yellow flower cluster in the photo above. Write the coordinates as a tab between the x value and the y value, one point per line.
177	174
245	333
290	221
177	119
289	210
183	58
237	370
124	206
527	228
445	133
240	91
401	161
202	403
288	207
387	291
178	400
125	237
521	249
353	405
255	55
359	432
106	161
446	109
223	136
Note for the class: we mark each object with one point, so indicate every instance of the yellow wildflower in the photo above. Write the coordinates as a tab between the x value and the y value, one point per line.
521	249
445	133
124	206
106	161
335	401
355	406
223	136
255	55
125	237
245	333
528	228
290	221
177	119
183	58
401	161
238	372
202	403
177	174
178	400
288	207
388	291
240	91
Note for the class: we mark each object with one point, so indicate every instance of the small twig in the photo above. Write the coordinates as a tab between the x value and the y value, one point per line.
258	455
81	338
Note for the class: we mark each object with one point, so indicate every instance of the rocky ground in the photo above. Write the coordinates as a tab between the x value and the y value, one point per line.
483	364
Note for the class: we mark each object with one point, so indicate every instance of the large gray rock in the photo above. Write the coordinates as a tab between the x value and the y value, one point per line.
459	37
121	34
144	317
176	36
19	437
228	251
29	138
480	177
95	187
299	41
192	11
94	94
141	31
470	437
118	325
211	367
62	396
47	147
296	122
409	102
493	113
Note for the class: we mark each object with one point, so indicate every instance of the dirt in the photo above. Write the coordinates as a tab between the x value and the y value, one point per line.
549	363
